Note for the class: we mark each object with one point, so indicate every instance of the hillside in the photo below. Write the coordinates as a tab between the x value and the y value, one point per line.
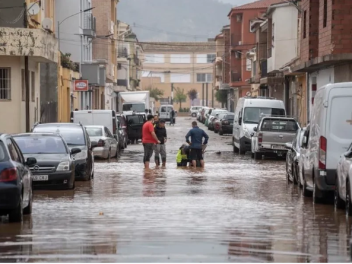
170	20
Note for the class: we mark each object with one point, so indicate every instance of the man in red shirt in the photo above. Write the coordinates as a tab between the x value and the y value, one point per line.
149	139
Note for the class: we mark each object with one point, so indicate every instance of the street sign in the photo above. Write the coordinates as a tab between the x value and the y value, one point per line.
80	86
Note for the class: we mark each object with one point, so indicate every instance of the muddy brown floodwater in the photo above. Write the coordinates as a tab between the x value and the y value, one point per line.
235	210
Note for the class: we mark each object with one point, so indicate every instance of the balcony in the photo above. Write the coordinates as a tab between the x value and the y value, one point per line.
94	73
122	52
235	77
36	43
89	26
264	68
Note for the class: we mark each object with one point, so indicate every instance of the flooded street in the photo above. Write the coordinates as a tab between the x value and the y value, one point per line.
235	210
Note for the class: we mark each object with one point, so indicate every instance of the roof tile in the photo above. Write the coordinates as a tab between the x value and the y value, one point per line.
258	4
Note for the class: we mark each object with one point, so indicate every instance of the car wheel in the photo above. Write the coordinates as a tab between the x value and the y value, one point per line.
252	155
298	176
338	202
16	215
306	192
293	175
28	210
215	131
348	200
221	133
242	150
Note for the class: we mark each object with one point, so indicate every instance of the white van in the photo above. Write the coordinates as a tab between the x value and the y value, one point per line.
329	136
105	118
165	112
248	112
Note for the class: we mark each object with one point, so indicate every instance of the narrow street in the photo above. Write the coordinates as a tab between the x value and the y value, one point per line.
235	210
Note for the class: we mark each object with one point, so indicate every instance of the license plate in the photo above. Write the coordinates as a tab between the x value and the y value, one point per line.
277	147
40	177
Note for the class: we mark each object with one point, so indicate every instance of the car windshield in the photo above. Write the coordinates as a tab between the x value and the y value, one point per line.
41	145
134	120
230	117
72	135
95	131
279	125
134	107
252	115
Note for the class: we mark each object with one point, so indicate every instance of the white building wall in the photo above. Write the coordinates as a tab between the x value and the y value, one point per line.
285	36
12	112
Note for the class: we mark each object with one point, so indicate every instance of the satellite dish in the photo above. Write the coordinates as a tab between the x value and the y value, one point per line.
34	9
47	23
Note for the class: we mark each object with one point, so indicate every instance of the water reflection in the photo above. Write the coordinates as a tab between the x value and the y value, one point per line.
154	182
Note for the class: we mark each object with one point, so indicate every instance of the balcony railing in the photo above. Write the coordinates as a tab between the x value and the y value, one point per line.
89	25
264	68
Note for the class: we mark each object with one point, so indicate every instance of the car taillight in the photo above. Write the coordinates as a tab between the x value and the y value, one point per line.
260	137
124	127
322	153
101	143
8	175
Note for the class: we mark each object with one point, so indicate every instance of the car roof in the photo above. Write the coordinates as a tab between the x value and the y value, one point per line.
95	126
44	134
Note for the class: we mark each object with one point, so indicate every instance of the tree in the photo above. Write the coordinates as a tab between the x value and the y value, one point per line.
155	93
221	97
192	94
180	96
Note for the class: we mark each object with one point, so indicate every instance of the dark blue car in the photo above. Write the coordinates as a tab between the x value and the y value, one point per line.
15	180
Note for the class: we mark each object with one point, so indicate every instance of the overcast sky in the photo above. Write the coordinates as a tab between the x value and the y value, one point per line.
237	2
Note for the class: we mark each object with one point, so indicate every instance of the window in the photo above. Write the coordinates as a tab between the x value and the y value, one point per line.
154	75
23	85
33	86
180	78
279	125
5	83
204	77
305	24
154	58
248	65
94	131
252	115
108	133
206	58
325	13
180	58
41	145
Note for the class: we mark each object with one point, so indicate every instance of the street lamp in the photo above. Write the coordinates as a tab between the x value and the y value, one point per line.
59	23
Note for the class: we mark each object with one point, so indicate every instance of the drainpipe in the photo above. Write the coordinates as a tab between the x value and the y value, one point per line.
26	75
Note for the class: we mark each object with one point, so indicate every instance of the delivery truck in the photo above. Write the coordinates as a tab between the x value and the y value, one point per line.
133	102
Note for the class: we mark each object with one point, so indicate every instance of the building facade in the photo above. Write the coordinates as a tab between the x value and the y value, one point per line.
26	40
173	66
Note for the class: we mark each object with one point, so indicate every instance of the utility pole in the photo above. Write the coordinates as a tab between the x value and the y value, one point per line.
203	94
172	94
26	75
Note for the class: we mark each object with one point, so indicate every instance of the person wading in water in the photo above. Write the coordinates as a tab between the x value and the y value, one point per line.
149	139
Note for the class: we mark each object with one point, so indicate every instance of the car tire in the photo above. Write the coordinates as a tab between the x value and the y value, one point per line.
338	202
16	215
257	155
109	156
252	155
221	133
28	210
295	181
242	150
298	177
348	207
316	199
306	192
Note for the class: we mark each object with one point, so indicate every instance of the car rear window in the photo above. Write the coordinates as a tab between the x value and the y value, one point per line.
95	131
134	120
3	155
72	135
41	145
230	117
279	125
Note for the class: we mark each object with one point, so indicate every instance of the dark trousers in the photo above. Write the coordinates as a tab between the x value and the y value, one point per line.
148	151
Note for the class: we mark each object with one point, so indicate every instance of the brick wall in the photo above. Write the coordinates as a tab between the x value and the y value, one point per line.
324	47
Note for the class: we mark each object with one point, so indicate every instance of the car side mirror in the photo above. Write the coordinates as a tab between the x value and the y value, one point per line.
288	145
240	120
75	151
93	144
255	129
31	161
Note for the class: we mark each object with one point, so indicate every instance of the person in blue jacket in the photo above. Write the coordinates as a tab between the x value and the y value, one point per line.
196	134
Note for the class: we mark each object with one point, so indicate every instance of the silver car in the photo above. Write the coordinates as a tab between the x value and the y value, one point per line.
342	197
103	143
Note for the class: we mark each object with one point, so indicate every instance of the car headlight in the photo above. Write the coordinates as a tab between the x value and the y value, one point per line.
63	166
81	155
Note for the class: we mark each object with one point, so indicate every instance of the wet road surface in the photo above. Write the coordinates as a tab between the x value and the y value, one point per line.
235	210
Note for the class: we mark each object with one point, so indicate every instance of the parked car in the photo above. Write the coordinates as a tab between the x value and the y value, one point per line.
329	136
343	190
225	125
217	117
55	165
165	112
199	114
194	110
75	136
15	180
292	157
134	127
123	129
104	144
248	113
271	135
205	112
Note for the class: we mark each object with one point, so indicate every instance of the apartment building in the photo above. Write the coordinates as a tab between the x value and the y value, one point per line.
26	40
180	65
242	40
